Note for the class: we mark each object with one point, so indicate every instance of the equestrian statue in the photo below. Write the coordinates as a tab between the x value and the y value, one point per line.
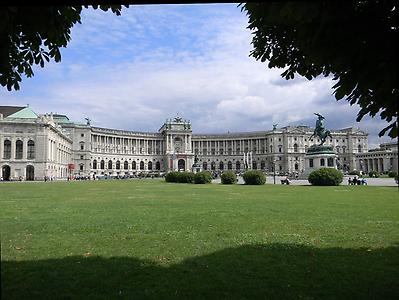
320	131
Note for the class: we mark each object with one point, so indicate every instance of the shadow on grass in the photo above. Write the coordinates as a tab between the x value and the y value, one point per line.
276	271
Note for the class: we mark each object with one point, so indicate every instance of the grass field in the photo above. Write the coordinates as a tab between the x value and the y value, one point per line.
142	239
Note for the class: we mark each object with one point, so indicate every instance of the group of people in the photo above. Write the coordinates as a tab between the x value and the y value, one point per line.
357	181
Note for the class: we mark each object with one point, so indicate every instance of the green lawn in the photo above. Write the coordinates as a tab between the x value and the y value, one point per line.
146	239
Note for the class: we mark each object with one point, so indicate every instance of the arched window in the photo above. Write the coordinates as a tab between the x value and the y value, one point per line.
7	149
280	148
134	165
126	165
94	164
19	147
230	165
359	148
150	165
205	165
158	165
262	164
338	149
238	165
110	164
343	149
296	167
271	148
213	166
254	165
221	166
322	162
295	147
31	149
118	165
141	165
102	164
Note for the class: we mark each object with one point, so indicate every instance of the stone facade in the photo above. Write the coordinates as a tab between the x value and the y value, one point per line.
32	148
383	159
101	151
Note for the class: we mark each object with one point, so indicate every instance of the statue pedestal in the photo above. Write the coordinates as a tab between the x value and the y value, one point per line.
196	168
319	156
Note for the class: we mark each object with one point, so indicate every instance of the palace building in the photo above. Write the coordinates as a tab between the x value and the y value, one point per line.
36	146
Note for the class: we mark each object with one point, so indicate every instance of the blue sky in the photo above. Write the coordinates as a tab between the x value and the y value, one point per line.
135	70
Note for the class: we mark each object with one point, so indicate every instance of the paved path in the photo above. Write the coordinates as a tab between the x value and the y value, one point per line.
370	181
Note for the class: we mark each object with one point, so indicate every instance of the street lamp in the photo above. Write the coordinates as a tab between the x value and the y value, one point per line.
274	171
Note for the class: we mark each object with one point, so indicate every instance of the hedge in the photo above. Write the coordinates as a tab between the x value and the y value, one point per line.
228	177
203	177
254	177
325	176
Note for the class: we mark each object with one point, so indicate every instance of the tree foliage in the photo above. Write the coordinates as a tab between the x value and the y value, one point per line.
32	35
354	41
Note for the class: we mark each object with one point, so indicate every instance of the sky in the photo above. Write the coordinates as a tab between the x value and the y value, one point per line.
134	71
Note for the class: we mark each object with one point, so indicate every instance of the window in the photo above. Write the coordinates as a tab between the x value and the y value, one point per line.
110	164
133	165
31	149
82	157
213	166
311	162
118	165
102	165
330	162
322	162
82	135
221	166
81	167
359	148
238	165
141	165
262	165
19	146
280	167
126	165
150	165
7	149
205	166
82	146
158	165
94	164
296	167
230	165
254	165
295	147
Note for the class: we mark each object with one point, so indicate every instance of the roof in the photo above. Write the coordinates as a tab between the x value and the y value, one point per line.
61	119
24	113
9	110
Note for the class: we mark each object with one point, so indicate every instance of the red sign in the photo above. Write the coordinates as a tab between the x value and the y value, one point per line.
71	166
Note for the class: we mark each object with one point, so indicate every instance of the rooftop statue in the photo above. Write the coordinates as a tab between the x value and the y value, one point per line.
320	130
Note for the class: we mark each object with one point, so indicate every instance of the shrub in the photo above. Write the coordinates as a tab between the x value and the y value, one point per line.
185	177
171	176
354	172
392	174
374	174
325	176
254	177
203	177
228	177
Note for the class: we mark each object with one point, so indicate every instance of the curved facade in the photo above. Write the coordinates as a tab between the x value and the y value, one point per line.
118	152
